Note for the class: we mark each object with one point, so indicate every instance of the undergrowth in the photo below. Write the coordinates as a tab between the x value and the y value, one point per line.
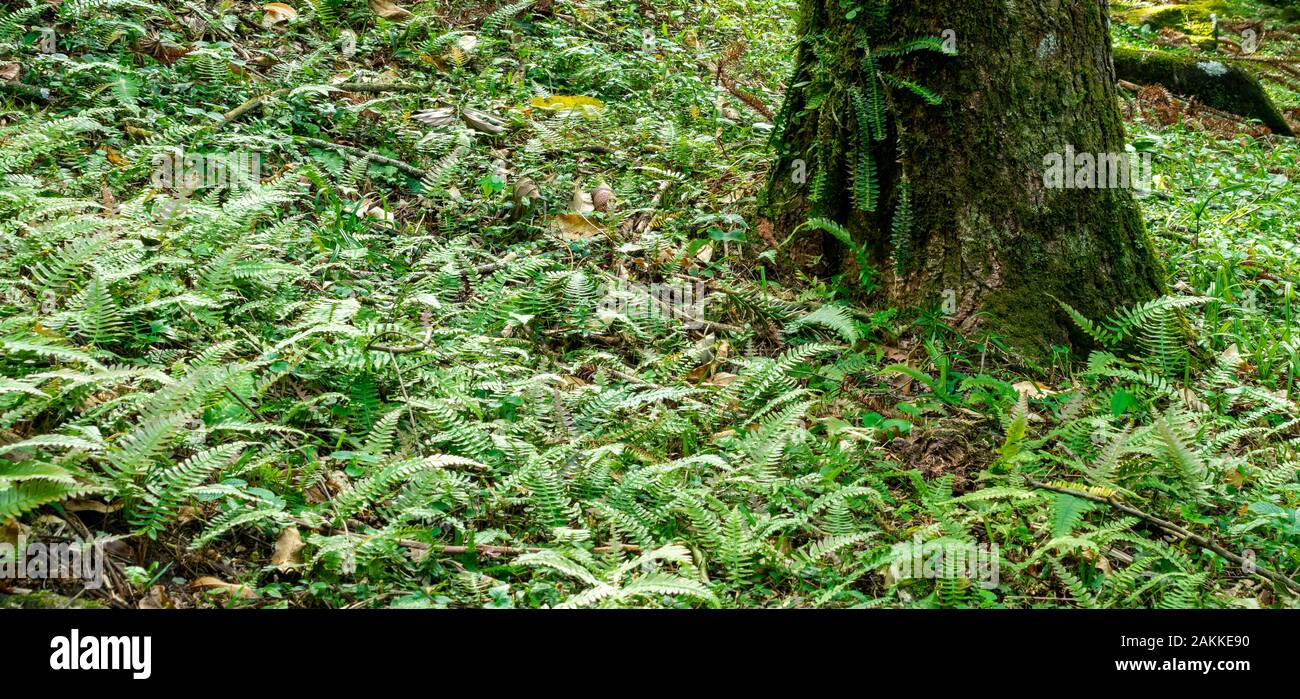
344	383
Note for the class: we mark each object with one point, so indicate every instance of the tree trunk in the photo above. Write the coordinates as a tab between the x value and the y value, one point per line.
992	235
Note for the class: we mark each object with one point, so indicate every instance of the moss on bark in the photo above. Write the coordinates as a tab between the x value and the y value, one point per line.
1032	79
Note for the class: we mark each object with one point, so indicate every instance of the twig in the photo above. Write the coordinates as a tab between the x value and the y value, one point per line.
458	550
346	87
24	90
706	324
411	170
250	105
256	415
401	383
379	87
498	550
638	224
409	349
494	266
1172	528
630	378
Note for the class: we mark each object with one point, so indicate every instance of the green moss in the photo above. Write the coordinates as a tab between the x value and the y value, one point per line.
1190	17
1211	82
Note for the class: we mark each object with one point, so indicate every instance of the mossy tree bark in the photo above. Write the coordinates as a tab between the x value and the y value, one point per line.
1031	78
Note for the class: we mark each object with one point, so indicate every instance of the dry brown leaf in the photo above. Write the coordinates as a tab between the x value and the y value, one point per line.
526	195
156	599
207	582
277	12
1189	397
9	71
10	530
723	379
162	51
389	10
574	227
288	550
1033	389
114	156
91	505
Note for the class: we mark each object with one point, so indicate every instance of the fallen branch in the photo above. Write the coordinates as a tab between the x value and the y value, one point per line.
408	349
636	225
249	105
1176	530
498	550
254	102
379	87
494	266
486	549
24	90
411	170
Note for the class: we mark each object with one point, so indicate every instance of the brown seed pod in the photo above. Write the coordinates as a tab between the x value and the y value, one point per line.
602	197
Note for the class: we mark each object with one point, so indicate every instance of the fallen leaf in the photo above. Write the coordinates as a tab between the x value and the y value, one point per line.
1192	400
440	116
156	599
483	122
574	227
525	197
90	506
565	103
1033	389
288	550
114	156
10	530
9	71
389	10
723	379
162	51
277	12
207	582
367	209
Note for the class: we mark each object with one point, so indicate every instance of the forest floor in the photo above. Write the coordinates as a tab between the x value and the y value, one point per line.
347	304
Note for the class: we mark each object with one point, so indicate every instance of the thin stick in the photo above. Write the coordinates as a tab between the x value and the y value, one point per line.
24	90
499	550
346	87
378	87
250	104
481	548
411	170
1176	530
